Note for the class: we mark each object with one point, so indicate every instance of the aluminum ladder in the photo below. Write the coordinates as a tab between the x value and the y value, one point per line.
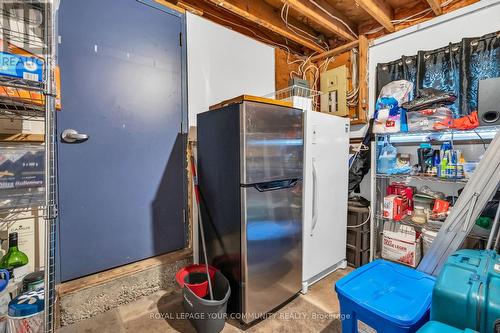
480	189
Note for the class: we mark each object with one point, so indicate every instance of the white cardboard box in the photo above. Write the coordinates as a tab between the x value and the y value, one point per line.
401	244
31	238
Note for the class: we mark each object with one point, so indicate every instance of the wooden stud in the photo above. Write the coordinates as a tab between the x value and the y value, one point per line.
171	6
436	6
313	13
380	11
267	19
363	79
335	51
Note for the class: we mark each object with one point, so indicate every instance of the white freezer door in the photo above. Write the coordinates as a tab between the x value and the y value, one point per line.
325	192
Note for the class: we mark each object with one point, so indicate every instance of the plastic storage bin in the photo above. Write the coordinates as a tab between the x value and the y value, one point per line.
437	327
467	291
384	297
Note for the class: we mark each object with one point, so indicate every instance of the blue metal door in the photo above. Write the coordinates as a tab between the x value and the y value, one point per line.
122	190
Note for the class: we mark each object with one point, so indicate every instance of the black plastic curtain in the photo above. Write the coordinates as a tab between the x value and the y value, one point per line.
457	68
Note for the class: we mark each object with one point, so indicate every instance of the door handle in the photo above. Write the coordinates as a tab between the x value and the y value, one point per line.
72	136
276	185
315	197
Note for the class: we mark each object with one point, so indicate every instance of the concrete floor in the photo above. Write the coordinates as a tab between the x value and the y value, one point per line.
316	311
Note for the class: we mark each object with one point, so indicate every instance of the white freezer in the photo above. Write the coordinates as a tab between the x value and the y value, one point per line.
326	154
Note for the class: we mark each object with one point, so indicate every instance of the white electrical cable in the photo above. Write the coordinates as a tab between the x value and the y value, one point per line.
410	18
334	17
365	222
295	29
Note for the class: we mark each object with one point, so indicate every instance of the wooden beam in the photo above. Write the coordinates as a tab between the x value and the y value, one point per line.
363	78
335	51
313	13
266	17
170	5
436	6
334	12
380	11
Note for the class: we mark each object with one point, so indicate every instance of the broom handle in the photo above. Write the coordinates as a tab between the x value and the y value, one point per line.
202	233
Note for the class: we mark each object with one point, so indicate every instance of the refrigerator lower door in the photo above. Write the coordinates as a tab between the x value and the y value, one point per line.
325	195
271	247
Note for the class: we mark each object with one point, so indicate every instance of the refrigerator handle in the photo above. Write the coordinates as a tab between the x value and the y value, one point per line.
315	197
276	185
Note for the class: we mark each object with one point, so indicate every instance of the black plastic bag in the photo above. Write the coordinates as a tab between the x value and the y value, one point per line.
362	162
429	97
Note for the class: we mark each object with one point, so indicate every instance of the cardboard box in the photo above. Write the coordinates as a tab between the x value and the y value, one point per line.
10	53
401	243
22	167
21	67
33	97
395	207
403	190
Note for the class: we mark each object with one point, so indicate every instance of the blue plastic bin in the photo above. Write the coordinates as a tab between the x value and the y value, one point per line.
437	327
384	297
467	291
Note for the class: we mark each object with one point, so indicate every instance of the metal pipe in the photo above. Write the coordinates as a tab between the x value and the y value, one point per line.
494	230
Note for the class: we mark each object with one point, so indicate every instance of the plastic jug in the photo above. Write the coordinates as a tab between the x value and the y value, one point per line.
4	299
387	159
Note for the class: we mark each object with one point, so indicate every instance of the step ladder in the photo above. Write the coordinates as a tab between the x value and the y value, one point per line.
478	191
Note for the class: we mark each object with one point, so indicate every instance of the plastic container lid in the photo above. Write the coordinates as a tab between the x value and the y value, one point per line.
397	293
27	304
4	279
34	277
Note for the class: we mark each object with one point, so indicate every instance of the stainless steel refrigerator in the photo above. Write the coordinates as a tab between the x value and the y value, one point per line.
250	171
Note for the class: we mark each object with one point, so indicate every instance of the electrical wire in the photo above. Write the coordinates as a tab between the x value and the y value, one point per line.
334	17
365	222
304	34
410	18
268	41
481	138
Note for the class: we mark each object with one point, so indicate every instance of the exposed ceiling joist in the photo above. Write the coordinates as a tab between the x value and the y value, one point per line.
335	51
436	6
264	15
309	10
334	12
380	11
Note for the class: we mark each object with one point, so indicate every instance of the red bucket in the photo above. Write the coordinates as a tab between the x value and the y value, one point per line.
195	278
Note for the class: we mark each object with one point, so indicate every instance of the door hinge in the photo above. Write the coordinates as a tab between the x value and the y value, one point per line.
184	217
180	39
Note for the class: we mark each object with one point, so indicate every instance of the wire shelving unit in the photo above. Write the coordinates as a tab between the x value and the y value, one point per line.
29	26
379	182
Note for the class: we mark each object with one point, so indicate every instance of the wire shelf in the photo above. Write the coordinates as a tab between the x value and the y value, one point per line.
481	133
14	201
408	178
17	83
431	225
301	97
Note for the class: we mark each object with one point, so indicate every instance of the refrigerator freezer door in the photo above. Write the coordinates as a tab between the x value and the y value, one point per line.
271	143
325	193
271	248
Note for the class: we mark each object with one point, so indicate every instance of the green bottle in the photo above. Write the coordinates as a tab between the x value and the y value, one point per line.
14	258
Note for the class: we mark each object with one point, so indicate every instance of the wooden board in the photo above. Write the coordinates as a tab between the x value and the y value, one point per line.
285	64
115	273
363	79
249	98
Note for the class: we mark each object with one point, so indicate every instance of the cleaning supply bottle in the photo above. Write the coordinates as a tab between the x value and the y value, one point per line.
436	161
